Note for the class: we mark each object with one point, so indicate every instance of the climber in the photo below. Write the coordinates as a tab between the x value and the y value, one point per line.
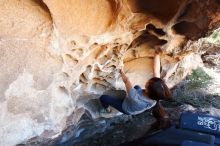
139	100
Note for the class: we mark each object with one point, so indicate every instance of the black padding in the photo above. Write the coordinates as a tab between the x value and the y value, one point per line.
200	122
217	140
172	137
194	143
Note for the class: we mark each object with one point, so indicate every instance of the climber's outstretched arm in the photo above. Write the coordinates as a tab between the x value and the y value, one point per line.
156	65
126	81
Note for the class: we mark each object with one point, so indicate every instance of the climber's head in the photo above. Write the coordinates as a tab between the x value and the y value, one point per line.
157	89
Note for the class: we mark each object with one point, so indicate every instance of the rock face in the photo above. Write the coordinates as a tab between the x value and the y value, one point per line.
54	51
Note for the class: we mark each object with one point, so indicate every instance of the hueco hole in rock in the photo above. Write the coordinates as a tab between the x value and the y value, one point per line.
57	57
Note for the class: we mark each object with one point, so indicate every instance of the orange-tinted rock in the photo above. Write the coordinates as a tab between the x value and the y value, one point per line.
52	51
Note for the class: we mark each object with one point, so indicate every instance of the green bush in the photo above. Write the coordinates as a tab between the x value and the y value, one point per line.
192	90
198	79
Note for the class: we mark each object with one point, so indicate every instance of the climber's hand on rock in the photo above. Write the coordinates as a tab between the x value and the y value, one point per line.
178	58
158	49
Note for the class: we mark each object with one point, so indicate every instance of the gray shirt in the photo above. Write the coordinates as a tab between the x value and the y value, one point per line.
136	102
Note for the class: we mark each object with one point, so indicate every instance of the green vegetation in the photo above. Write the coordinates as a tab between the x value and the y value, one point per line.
214	37
193	91
198	79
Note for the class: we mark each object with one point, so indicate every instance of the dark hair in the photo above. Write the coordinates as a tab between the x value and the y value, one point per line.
161	116
159	112
157	89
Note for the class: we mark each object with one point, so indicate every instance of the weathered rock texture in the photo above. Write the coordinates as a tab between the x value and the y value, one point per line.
52	51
